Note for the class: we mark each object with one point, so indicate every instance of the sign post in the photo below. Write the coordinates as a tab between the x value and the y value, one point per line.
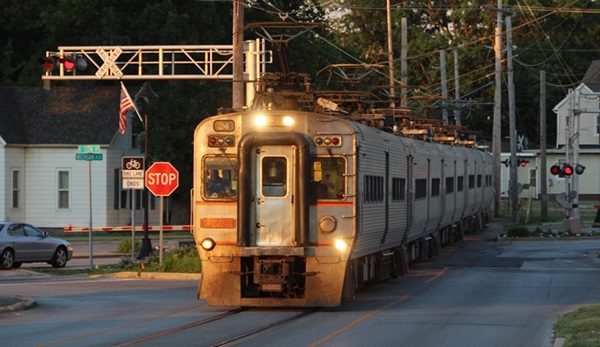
132	178
161	180
89	153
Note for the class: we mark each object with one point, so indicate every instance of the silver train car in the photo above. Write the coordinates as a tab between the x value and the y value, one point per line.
299	209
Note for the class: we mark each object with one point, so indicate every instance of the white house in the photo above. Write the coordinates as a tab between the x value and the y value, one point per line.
588	130
43	183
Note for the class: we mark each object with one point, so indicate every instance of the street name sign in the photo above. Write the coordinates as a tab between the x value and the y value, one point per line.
88	156
88	149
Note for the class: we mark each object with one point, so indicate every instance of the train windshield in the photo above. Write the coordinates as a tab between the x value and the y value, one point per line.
328	178
220	177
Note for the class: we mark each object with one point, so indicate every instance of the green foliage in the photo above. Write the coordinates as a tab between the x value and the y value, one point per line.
125	246
518	231
180	260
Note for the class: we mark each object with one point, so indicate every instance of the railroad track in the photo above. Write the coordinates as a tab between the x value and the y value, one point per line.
229	341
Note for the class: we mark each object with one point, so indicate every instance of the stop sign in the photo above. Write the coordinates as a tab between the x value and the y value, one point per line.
162	179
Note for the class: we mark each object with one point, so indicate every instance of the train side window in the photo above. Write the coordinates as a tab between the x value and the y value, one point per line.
328	181
449	185
274	176
435	187
420	188
398	188
220	177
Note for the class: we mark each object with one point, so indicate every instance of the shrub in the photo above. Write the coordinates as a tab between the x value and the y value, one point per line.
182	260
125	246
518	231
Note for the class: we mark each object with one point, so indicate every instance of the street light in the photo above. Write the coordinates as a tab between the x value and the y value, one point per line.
147	94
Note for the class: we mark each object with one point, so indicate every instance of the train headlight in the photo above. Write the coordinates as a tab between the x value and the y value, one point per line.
288	121
260	121
208	244
327	224
341	245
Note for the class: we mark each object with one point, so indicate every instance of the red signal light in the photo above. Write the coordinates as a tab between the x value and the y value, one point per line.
68	63
555	169
47	63
568	170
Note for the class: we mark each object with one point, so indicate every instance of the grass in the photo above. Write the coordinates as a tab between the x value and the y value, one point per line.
556	213
180	260
580	328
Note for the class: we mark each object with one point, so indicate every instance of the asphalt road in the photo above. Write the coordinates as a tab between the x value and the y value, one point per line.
477	293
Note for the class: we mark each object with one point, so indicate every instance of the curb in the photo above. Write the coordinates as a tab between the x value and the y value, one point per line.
152	275
21	304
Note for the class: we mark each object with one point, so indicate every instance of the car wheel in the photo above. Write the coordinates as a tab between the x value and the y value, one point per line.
60	258
7	259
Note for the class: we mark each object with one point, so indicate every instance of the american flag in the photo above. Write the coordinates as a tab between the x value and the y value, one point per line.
126	105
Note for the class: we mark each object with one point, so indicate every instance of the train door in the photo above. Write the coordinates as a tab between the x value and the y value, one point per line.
275	222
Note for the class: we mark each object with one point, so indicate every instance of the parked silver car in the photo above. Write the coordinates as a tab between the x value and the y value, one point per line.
24	243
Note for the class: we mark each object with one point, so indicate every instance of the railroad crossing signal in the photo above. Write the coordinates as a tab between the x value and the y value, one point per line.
162	179
566	169
520	162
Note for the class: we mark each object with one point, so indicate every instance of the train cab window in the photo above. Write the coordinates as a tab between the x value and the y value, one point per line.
220	178
328	180
274	176
460	184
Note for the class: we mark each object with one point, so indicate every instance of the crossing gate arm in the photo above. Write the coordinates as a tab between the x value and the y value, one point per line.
71	229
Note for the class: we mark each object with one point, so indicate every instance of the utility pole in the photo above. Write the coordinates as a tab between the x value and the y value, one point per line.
238	55
514	184
444	87
543	144
497	127
403	65
390	55
456	90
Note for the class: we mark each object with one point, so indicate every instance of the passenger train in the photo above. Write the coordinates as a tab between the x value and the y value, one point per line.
296	208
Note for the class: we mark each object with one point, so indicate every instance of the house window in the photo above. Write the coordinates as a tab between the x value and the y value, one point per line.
63	189
135	139
16	191
122	197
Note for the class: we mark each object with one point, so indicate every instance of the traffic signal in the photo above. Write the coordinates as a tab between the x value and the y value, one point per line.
566	169
68	63
522	162
48	63
555	169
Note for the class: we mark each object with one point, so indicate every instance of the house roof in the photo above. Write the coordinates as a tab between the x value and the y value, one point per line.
62	115
592	76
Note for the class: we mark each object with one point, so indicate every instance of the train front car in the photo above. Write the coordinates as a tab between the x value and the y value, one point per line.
273	219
